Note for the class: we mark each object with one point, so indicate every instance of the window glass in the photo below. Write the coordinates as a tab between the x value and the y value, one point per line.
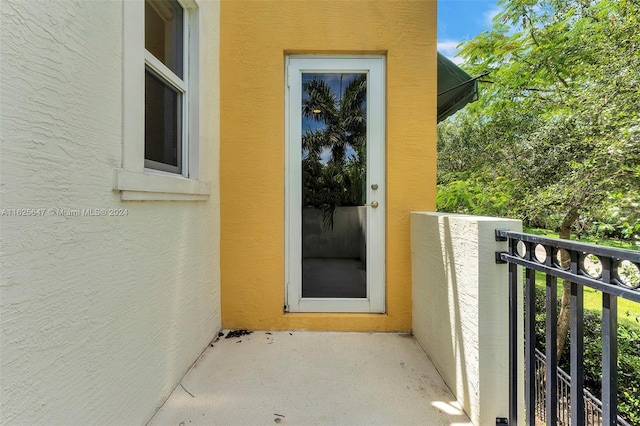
334	180
164	33
163	114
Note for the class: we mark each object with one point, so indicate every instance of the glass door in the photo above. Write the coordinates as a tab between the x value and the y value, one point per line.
335	186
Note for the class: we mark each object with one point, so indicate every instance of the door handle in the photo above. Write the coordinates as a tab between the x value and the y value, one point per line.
373	204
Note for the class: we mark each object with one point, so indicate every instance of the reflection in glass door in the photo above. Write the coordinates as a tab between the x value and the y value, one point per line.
334	176
335	185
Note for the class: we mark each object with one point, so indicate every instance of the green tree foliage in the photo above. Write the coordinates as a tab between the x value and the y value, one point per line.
340	181
555	137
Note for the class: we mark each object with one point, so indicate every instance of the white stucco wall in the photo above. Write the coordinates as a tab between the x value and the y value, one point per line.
100	317
460	307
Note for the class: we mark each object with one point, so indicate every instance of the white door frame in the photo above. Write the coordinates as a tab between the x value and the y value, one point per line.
374	66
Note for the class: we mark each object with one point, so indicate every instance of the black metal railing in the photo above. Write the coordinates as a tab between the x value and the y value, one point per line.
610	271
592	405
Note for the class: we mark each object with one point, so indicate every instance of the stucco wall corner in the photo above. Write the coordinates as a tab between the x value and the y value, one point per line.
460	301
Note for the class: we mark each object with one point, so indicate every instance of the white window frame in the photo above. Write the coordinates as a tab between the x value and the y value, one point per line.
165	75
133	179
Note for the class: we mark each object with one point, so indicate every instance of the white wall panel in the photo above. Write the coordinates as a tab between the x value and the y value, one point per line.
100	316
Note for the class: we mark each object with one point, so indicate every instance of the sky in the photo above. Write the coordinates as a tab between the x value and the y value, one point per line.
460	20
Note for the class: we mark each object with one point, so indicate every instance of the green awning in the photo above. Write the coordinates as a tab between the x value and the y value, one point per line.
456	88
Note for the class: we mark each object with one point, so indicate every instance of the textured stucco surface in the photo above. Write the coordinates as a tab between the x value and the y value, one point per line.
256	36
460	307
100	317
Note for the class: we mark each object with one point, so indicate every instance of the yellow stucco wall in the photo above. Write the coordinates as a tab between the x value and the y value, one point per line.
255	38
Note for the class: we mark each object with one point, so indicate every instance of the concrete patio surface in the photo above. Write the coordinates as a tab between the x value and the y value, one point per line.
312	378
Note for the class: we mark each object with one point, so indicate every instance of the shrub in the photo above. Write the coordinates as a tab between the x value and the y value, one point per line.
628	358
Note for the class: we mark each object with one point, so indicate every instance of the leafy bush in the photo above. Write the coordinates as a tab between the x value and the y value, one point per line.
628	358
618	217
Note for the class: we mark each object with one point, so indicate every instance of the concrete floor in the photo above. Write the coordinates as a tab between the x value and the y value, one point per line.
312	378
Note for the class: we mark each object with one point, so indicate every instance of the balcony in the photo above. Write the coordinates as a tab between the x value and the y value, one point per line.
453	370
312	378
456	368
466	364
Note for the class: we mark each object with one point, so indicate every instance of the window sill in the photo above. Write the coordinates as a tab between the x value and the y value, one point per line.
159	186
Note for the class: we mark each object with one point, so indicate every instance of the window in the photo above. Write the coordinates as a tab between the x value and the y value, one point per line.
161	151
166	91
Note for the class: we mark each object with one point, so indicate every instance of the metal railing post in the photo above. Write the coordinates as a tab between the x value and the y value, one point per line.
612	286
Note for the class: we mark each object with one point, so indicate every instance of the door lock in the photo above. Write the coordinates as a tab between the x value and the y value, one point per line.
373	204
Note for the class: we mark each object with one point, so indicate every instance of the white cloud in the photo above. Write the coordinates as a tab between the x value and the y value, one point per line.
488	16
449	49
